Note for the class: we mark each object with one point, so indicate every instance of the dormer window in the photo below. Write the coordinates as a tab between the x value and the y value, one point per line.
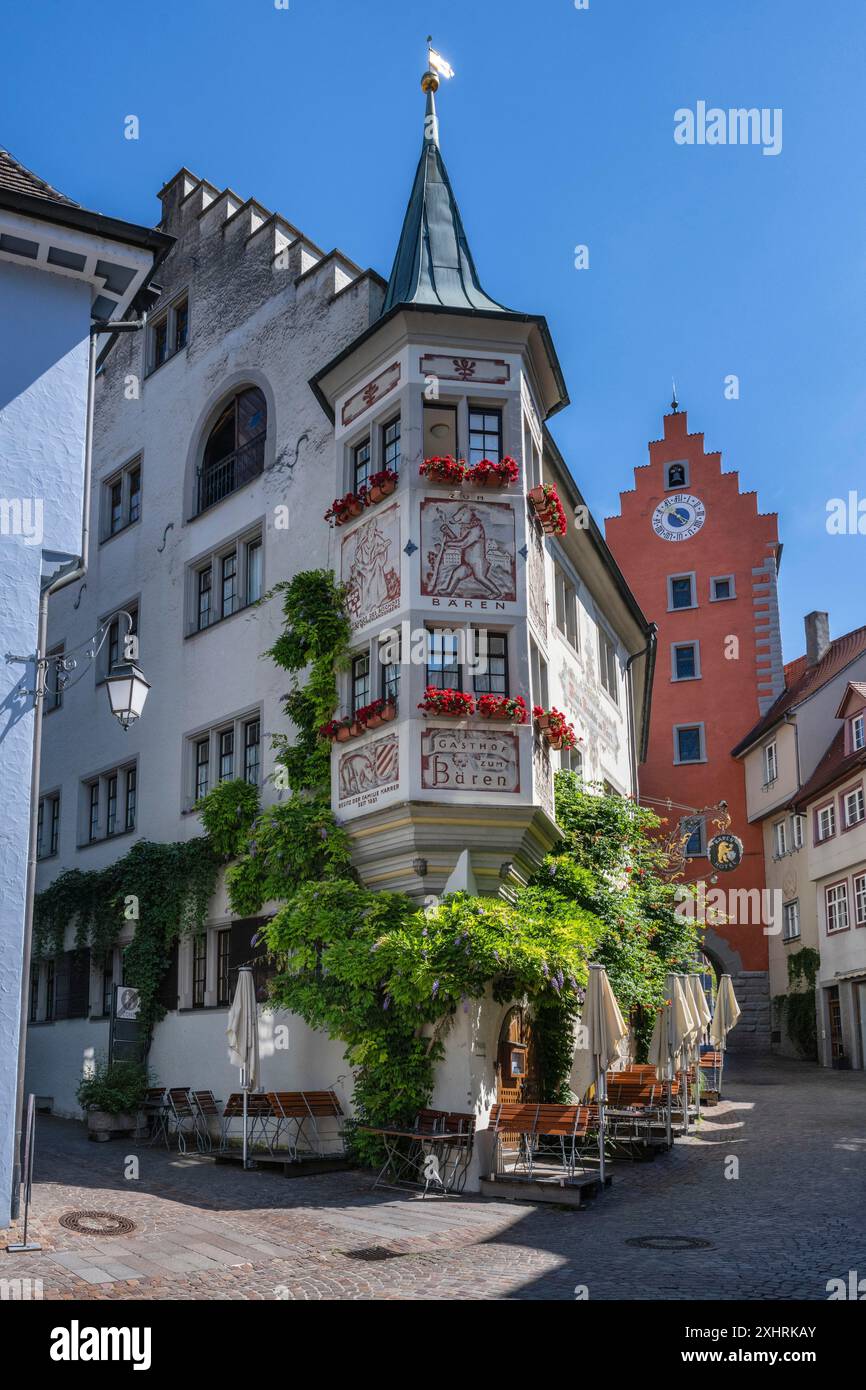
677	475
858	733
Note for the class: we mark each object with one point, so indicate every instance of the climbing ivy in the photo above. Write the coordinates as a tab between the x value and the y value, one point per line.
797	1009
165	889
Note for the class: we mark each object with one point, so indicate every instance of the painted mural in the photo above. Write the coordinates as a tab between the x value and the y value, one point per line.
366	774
370	567
537	594
468	548
584	703
478	760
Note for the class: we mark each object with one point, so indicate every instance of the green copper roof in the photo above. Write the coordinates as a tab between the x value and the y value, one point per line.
433	264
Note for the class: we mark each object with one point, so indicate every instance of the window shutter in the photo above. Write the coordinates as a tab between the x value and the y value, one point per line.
78	1005
243	952
62	967
167	996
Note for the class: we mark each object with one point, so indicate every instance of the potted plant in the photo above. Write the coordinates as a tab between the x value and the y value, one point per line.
389	708
337	730
510	709
381	484
344	509
450	704
548	509
443	469
371	715
554	727
490	474
112	1097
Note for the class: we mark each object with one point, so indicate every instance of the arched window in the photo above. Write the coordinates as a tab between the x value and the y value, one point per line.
235	449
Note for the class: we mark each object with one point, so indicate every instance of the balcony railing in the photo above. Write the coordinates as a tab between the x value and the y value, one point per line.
219	479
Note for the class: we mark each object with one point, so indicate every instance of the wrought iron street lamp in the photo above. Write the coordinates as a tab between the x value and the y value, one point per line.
127	692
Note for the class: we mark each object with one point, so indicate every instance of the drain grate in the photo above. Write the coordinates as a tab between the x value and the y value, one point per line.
371	1252
97	1223
670	1243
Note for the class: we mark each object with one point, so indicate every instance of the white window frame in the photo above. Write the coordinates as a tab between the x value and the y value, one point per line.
830	811
123	476
101	779
798	830
837	908
858	733
857	794
780	839
675	646
240	545
791	911
859	886
565	595
690	762
237	723
770	757
722	598
684	607
608	656
168	316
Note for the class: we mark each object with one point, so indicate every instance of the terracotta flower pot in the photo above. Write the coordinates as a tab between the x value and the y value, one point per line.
343	734
374	721
536	494
376	494
356	729
355	509
555	743
388	488
543	721
389	712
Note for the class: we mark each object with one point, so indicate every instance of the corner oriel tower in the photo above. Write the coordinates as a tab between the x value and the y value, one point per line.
437	569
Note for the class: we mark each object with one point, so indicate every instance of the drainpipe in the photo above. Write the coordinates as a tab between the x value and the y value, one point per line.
62	581
648	651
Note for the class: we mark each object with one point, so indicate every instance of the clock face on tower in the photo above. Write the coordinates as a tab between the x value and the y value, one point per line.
679	517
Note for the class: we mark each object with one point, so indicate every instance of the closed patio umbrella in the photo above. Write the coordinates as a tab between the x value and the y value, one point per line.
725	1015
242	1031
690	1032
661	1053
704	1017
606	1028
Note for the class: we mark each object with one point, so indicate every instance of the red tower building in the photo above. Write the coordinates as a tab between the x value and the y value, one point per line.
702	562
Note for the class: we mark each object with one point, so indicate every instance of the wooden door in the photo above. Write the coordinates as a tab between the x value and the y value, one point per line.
516	1028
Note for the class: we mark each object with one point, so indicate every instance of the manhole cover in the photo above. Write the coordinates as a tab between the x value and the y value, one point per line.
372	1252
669	1243
97	1223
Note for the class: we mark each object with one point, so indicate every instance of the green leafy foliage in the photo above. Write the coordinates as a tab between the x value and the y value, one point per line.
797	1008
117	1088
227	814
164	888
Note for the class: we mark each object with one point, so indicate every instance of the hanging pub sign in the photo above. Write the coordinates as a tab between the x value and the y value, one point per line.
725	852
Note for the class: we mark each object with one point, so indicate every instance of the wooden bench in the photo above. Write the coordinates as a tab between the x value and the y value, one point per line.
297	1114
259	1113
519	1129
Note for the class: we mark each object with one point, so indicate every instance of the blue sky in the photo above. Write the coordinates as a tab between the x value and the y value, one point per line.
557	131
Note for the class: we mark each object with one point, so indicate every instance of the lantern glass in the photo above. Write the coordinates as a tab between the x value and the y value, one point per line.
127	692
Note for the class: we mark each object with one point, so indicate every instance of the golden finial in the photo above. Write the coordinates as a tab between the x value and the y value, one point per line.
430	81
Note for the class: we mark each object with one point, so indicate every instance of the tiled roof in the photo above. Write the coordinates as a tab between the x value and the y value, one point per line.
16	179
802	681
835	766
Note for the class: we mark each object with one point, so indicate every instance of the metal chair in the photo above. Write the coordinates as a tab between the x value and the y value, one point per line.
206	1107
180	1113
156	1113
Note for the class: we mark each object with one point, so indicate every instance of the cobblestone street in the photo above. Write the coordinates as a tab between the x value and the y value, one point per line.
788	1223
